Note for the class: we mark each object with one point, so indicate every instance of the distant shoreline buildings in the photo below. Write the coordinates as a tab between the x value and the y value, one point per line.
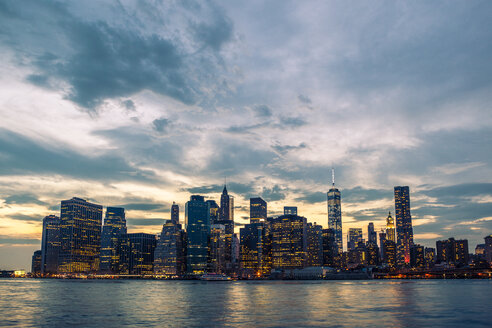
79	242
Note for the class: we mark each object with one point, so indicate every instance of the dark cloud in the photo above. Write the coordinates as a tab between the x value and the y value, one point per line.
293	122
23	156
26	218
262	111
359	194
145	207
129	105
145	222
232	188
283	149
161	125
100	61
8	240
214	34
304	99
313	198
273	194
244	129
23	199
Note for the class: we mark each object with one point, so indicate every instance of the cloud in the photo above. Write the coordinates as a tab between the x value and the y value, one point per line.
283	149
304	99
145	207
8	240
313	197
161	125
262	111
273	194
98	59
23	199
293	122
25	156
145	222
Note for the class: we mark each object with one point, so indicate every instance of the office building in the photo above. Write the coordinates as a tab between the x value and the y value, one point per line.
36	263
140	248
80	236
197	221
314	236
227	219
488	248
114	227
390	253
404	229
430	257
290	210
330	248
452	251
170	251
253	254
257	209
354	237
372	236
417	257
289	244
214	211
216	257
50	244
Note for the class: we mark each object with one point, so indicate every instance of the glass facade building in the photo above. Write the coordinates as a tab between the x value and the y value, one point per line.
289	243
170	252
114	228
257	209
197	220
80	236
335	216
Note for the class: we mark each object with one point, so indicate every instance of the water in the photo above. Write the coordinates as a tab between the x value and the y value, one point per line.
105	303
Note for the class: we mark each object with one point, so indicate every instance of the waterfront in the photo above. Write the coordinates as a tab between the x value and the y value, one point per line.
106	303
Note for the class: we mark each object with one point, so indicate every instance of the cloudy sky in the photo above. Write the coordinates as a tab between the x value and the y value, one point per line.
141	103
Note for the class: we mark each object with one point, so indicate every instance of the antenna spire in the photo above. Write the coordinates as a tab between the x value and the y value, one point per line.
333	176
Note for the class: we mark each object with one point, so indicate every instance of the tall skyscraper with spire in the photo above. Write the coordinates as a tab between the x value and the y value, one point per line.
226	218
404	229
335	213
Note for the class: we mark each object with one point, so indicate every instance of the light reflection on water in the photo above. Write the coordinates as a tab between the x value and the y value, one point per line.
416	303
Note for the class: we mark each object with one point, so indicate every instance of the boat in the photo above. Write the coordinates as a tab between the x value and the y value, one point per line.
215	277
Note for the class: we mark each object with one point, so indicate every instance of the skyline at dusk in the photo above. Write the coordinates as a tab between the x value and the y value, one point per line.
138	106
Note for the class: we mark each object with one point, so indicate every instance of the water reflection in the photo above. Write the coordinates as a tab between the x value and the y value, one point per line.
48	303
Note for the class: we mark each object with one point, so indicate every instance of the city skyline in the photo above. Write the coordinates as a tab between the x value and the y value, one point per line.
141	105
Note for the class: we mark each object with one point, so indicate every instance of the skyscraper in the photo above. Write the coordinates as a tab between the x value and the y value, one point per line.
227	219
214	211
175	213
390	228
170	252
257	209
289	244
80	236
314	240
330	248
197	220
216	256
372	236
354	237
252	249
404	229
50	244
335	214
141	253
113	229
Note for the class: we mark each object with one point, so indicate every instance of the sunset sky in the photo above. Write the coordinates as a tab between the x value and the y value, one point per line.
142	103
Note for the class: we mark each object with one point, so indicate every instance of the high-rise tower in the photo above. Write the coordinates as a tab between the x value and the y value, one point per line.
113	229
50	245
335	213
390	228
226	218
80	236
404	230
